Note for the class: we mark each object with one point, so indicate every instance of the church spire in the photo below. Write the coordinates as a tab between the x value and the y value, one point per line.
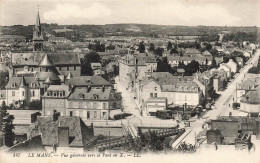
38	34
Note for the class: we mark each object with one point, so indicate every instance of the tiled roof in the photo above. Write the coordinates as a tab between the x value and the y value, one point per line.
88	80
57	58
250	82
49	130
42	76
93	94
252	97
58	88
17	80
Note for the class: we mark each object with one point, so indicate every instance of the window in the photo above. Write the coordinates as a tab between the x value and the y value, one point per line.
88	115
104	105
23	93
151	94
68	68
71	113
32	69
155	95
155	88
94	105
40	69
75	68
54	94
95	114
60	68
13	93
33	93
104	115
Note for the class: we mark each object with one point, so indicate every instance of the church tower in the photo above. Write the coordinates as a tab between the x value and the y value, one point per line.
38	35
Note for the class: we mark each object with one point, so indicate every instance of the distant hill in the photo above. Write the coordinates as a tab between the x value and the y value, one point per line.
147	30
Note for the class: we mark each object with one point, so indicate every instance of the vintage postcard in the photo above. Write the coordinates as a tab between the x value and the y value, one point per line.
129	80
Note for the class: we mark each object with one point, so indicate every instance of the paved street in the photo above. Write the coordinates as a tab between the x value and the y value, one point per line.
222	104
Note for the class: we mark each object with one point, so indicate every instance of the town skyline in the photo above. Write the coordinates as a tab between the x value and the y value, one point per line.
176	13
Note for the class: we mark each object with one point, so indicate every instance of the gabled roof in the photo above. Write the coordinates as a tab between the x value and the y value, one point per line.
88	80
49	130
23	83
16	81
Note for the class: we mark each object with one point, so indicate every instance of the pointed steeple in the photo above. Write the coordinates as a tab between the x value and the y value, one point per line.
47	81
22	83
69	76
38	33
46	62
38	22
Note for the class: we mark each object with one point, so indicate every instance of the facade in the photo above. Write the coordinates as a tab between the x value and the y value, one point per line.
55	100
21	90
89	97
154	104
219	79
225	67
205	82
250	103
177	90
232	65
245	86
131	65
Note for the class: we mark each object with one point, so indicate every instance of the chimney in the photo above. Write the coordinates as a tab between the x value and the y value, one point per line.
92	128
34	116
63	136
55	116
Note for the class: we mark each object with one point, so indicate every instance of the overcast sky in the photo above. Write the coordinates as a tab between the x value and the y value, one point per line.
162	12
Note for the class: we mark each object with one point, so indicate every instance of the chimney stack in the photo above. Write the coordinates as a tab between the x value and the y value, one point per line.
55	116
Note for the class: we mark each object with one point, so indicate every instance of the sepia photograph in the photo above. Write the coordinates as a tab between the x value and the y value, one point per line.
129	81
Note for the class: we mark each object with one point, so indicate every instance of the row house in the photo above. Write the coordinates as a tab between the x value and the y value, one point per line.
203	60
178	91
226	68
205	82
245	86
89	97
219	79
131	65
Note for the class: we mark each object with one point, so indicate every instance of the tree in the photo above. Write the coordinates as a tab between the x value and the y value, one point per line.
192	67
152	48
90	57
158	51
169	46
7	125
35	105
164	66
3	79
141	47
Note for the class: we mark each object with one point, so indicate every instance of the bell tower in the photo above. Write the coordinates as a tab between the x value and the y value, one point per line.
38	35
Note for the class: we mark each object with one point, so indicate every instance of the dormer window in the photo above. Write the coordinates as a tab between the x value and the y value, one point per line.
95	97
61	94
48	93
33	85
13	85
54	94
